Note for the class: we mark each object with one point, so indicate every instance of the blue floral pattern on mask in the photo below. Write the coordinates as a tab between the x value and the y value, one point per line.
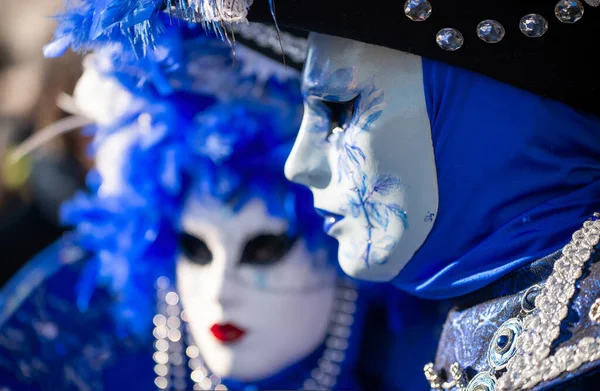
367	190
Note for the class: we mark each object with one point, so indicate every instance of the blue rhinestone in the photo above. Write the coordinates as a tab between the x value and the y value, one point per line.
502	341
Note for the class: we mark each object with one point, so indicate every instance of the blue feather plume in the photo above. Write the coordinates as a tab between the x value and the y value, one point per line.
218	131
88	24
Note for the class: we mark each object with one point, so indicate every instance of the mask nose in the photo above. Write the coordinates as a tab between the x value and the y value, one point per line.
222	286
307	164
226	292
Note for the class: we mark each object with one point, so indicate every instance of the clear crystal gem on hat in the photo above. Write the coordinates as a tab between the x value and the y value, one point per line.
490	31
533	25
417	10
449	39
569	11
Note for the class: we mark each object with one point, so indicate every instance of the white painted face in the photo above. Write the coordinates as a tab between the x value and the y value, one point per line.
365	151
255	302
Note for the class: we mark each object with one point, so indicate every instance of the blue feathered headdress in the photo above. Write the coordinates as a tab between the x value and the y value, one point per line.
199	118
88	24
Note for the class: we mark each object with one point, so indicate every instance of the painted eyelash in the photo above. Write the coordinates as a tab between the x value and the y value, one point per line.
340	115
283	244
196	251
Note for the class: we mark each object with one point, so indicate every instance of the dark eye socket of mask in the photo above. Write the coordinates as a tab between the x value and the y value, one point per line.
340	114
194	249
265	250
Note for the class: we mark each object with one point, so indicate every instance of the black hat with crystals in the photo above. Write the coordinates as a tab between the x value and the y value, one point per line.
546	47
543	46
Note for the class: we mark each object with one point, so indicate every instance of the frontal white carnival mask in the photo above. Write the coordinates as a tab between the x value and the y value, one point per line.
365	151
255	299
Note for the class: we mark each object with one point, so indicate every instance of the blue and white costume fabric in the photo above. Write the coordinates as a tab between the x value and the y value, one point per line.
527	184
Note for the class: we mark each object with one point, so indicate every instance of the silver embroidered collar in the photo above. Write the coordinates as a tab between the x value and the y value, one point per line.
519	352
532	362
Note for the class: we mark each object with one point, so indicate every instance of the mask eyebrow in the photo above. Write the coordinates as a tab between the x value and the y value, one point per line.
316	86
312	91
263	232
328	93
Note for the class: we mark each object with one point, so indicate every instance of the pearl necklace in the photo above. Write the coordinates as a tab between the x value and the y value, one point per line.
170	349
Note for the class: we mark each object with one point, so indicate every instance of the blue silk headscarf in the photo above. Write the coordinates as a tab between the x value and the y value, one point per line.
517	175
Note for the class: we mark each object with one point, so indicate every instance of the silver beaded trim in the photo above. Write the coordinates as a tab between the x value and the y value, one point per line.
436	382
168	346
201	376
532	362
593	3
212	11
170	370
267	37
324	376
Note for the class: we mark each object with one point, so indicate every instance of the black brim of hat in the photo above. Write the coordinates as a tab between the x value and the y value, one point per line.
561	64
269	42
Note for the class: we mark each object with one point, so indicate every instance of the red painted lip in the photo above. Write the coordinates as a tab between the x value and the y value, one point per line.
227	332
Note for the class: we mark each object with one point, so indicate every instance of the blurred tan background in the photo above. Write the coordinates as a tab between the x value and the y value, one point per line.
32	189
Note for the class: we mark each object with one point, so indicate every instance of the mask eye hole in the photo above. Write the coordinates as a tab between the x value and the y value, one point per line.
340	115
194	249
266	250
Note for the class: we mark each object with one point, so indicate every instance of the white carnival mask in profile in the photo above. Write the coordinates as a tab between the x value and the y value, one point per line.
256	300
365	151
